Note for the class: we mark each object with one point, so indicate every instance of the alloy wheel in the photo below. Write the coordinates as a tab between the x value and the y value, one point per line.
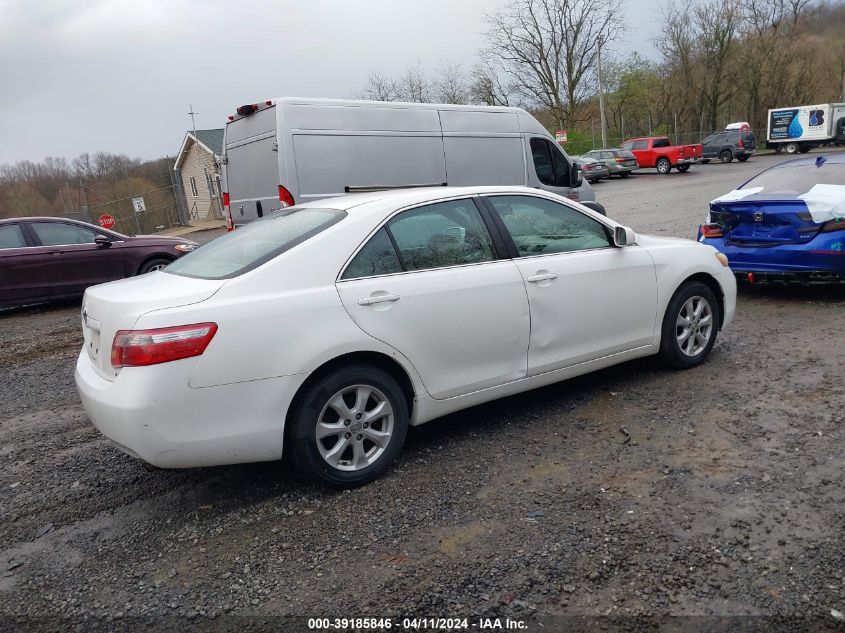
354	427
694	326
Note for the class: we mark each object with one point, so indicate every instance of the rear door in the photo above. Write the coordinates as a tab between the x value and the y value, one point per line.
23	269
429	284
251	166
75	261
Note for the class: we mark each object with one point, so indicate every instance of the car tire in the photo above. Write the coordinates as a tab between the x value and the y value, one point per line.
726	156
791	148
624	174
346	455
663	166
683	168
156	263
685	346
742	159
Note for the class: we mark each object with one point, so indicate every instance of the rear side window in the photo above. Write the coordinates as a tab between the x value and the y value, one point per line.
254	244
60	234
378	257
11	236
661	142
443	234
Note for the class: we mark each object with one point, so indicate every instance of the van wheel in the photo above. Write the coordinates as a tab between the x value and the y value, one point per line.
726	156
689	326
157	263
349	427
663	165
791	148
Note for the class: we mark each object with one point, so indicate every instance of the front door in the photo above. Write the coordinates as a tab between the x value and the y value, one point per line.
588	299
429	284
75	261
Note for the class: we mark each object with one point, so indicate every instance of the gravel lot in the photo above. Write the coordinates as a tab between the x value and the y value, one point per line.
722	497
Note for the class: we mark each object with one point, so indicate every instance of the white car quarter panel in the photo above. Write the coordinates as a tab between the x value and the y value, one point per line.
464	328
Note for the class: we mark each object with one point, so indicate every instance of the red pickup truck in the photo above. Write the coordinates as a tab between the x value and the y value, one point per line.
658	151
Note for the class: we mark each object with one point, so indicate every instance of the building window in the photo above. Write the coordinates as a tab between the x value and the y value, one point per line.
194	192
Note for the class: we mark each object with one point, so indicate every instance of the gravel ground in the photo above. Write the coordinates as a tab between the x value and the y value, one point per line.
635	491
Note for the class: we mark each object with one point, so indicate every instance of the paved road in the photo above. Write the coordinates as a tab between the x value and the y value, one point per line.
727	500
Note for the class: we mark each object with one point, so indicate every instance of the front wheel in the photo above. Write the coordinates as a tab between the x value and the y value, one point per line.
348	428
158	263
689	326
663	166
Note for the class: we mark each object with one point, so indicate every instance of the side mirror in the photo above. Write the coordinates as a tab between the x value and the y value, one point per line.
102	240
575	176
623	236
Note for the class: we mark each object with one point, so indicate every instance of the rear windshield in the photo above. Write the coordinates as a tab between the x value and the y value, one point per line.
797	179
624	153
254	244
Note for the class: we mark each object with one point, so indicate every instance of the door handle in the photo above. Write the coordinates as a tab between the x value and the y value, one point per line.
541	277
368	301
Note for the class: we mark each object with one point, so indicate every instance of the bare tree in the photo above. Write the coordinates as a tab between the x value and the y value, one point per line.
490	86
380	88
718	27
451	84
549	48
413	85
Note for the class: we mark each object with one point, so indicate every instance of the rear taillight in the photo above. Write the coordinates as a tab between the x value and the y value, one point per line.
710	230
230	224
620	160
837	224
285	197
137	348
739	144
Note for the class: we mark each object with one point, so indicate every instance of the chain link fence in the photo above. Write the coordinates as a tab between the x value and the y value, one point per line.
139	214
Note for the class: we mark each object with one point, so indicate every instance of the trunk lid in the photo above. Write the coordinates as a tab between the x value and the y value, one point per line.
117	305
762	222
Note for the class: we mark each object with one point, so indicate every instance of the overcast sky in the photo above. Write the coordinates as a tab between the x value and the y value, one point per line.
118	75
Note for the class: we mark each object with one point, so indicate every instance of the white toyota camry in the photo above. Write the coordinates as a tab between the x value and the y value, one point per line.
326	329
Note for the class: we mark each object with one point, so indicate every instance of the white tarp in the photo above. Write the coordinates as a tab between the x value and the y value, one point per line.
737	194
825	202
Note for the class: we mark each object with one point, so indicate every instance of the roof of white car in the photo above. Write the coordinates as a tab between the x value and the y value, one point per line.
363	202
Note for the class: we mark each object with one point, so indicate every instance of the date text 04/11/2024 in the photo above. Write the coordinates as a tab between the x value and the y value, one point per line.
414	624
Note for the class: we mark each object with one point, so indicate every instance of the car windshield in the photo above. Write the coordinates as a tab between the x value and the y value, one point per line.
254	244
797	179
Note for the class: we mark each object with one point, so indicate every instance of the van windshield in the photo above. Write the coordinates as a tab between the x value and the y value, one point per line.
254	244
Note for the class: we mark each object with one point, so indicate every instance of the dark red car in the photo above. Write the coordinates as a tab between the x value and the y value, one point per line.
44	259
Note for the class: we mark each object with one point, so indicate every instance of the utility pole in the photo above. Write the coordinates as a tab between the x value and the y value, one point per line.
601	102
843	86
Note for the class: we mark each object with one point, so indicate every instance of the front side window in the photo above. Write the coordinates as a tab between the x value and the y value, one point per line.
442	234
60	234
378	257
541	227
254	244
11	236
549	164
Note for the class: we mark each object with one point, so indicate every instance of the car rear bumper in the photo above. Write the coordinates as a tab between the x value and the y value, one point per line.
789	259
151	413
622	169
688	161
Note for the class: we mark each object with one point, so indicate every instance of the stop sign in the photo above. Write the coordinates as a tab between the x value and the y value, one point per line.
106	221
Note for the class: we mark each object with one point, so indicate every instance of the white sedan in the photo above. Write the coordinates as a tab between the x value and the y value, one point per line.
328	328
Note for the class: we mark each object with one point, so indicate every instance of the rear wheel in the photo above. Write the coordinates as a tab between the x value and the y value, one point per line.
689	326
663	165
726	156
682	168
791	148
624	174
349	427
157	263
742	159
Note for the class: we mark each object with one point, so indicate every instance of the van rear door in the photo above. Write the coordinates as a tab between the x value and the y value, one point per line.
252	166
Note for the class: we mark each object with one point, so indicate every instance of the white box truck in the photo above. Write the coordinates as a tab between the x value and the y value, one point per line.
283	151
801	128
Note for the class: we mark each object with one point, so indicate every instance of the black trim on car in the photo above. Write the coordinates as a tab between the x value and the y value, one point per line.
509	246
500	244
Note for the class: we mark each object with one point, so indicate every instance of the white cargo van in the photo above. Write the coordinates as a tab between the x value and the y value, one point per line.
801	128
284	151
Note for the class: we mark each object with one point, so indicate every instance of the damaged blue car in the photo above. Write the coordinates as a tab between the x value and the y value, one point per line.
787	224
